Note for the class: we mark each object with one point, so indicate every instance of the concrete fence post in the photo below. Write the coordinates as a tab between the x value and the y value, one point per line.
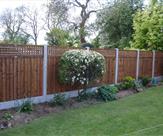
137	64
45	62
116	64
153	64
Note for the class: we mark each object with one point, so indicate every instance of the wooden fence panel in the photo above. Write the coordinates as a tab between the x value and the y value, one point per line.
20	72
145	67
109	76
127	64
53	84
159	64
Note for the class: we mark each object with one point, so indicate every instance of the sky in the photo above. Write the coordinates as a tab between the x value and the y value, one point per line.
36	4
15	3
11	4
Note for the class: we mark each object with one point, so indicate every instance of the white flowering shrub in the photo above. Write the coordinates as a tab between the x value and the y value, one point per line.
81	66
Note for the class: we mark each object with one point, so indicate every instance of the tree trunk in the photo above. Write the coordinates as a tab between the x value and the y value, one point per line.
35	40
82	32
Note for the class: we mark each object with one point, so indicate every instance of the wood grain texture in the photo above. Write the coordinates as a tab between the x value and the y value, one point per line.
20	71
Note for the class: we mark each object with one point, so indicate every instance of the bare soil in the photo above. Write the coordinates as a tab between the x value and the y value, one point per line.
44	109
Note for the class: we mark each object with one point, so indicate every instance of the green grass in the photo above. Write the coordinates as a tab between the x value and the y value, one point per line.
136	115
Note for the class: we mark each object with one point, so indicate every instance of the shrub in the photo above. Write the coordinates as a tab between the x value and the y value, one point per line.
58	99
26	106
138	86
7	116
85	95
119	86
81	67
107	92
147	26
145	80
127	83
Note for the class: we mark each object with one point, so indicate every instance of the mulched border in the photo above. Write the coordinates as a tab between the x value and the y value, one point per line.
41	110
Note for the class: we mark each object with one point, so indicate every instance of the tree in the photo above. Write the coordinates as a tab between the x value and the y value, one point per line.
85	12
33	24
12	22
84	16
57	37
136	4
56	14
96	42
115	21
153	2
115	24
148	28
18	39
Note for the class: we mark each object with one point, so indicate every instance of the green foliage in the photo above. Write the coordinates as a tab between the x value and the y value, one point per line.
57	37
119	87
138	86
85	95
96	42
12	21
73	41
148	28
115	24
107	93
26	106
7	116
81	67
145	80
58	99
127	83
17	39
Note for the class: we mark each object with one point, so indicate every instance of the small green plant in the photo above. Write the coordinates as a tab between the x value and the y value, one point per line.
58	99
26	106
8	116
85	95
107	93
145	80
138	86
119	86
127	83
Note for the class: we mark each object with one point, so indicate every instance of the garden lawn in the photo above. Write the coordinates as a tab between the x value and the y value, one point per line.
137	115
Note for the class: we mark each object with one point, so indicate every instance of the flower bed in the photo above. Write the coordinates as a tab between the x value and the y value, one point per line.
13	117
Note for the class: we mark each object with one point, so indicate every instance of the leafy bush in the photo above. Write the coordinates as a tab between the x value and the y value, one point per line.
119	86
138	86
26	106
58	99
127	83
107	92
7	116
81	67
85	95
145	80
147	26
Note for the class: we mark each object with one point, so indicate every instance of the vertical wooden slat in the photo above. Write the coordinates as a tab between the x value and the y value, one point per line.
1	81
15	76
